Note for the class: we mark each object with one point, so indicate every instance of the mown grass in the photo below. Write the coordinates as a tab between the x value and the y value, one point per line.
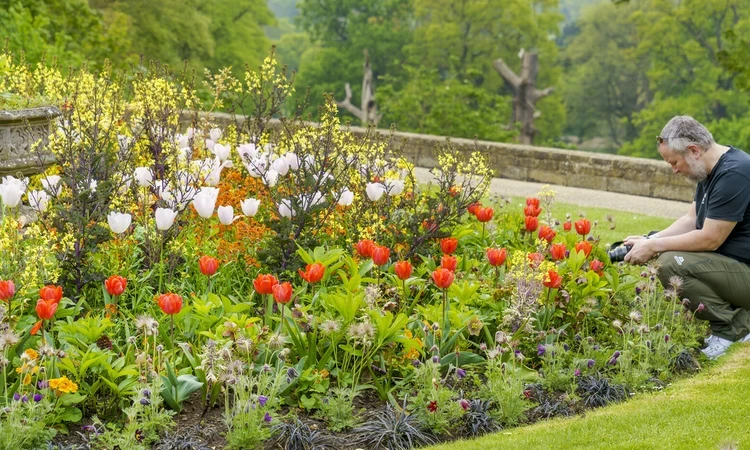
708	411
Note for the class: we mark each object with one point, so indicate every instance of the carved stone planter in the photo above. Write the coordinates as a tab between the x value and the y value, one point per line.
19	129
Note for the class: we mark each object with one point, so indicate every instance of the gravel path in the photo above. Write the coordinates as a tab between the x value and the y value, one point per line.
583	197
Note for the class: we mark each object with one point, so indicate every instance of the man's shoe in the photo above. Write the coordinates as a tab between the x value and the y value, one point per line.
717	346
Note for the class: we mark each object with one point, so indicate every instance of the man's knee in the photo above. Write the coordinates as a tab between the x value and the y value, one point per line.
669	264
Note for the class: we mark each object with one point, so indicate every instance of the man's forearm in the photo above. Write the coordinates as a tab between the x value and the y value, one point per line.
692	241
684	224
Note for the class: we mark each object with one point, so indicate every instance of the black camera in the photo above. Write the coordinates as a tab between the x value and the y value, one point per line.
617	251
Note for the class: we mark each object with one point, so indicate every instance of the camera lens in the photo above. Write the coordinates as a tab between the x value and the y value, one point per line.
618	253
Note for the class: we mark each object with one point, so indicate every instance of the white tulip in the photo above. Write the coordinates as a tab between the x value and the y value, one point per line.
250	206
346	198
395	187
226	215
214	174
51	184
247	151
375	191
38	200
257	166
10	195
280	165
119	222
222	151
308	201
165	218
16	183
143	176
292	160
210	143
204	201
215	134
183	140
285	208
271	178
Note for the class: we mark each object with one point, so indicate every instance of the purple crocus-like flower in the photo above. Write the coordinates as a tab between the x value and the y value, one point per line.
25	398
616	354
416	363
38	398
146	393
16	396
460	373
701	307
590	363
566	347
42	384
145	401
666	338
436	359
464	404
540	350
267	417
262	399
577	373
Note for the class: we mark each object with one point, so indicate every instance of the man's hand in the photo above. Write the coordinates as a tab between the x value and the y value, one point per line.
628	240
641	251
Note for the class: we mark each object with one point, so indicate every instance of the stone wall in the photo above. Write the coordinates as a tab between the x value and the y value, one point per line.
604	172
19	129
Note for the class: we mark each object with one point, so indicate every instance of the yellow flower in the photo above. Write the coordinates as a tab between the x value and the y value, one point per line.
27	379
32	354
63	385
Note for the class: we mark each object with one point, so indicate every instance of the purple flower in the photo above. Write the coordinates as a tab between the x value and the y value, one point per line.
267	417
595	347
42	384
591	363
16	396
146	393
460	373
616	354
436	359
25	398
464	404
566	347
666	338
145	401
262	399
38	397
612	361
701	307
540	350
577	373
416	363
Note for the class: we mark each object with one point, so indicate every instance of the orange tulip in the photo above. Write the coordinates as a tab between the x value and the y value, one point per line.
535	258
532	210
443	278
557	251
449	262
51	292
46	309
496	256
584	246
532	201
264	284
115	285
583	227
364	247
553	280
547	233
7	290
567	225
597	266
532	223
449	245
403	269
313	272
485	214
208	265
282	292
472	209
170	303
380	255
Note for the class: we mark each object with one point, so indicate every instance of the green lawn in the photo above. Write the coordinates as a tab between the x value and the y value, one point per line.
708	411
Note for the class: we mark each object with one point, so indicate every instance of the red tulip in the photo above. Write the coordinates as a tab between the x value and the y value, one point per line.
170	303
35	329
443	278
364	247
380	255
553	280
532	223
583	227
429	225
403	269
557	251
208	265
449	262
597	266
264	284
282	292
115	285
51	292
313	272
485	214
532	210
449	245
535	258
532	201
496	256
472	209
46	309
7	290
567	225
584	246
547	233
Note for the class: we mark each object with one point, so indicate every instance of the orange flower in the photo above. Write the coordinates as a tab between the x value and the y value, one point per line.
547	233
485	214
449	245
443	278
115	285
584	246
597	266
51	292
567	225
532	223
46	309
532	201
282	292
532	210
313	272
403	269
35	329
536	259
449	262
208	265
380	255
553	280
496	256
170	303
557	251
7	290
264	284
364	248
472	209
583	227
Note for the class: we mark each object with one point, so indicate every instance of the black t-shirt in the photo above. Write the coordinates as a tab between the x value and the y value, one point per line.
725	195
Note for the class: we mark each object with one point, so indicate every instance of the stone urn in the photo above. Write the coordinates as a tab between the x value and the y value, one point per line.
19	129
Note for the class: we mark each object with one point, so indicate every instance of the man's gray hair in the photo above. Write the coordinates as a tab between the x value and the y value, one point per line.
682	131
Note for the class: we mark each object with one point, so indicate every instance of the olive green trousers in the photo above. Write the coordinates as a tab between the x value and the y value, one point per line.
721	284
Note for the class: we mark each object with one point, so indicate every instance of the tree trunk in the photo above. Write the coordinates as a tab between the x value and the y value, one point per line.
367	113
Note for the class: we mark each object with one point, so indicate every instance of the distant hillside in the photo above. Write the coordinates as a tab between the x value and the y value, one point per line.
283	8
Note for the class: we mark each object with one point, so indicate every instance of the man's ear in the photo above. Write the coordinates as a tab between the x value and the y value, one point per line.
695	150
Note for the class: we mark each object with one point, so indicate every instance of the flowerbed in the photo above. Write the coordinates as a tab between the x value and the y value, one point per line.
138	289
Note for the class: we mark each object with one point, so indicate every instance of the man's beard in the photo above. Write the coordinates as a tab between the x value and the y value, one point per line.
698	171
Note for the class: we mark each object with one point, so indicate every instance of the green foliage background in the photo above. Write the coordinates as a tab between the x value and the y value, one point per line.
620	69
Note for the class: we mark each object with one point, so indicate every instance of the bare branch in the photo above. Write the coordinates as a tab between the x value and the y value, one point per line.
507	73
